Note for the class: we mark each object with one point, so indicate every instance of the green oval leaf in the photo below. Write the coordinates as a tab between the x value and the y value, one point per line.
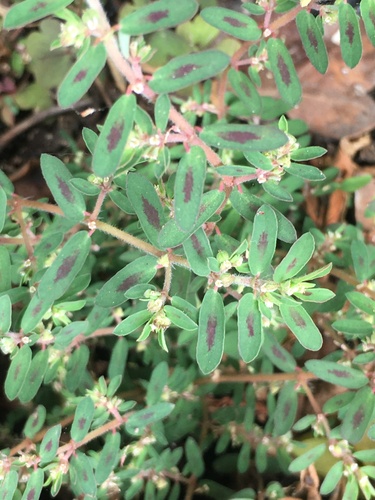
35	375
300	323
362	302
274	189
180	319
158	381
245	90
250	331
32	10
140	419
307	172
243	137
67	334
112	139
81	474
296	259
194	457
58	278
312	40
108	457
263	240
5	314
358	415
308	153
279	356
81	75
187	70
197	249
337	374
355	327
302	462
5	270
282	67
35	421
350	35
332	479
119	355
3	208
9	485
17	372
82	419
211	332
34	312
158	15
58	178
132	322
286	409
76	368
50	444
34	485
317	295
234	23
162	109
361	260
368	17
188	188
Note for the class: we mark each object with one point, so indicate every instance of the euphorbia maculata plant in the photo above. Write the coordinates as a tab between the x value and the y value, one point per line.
178	244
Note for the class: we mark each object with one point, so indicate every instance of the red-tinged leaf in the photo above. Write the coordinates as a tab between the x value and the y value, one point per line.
358	415
58	179
108	457
188	188
82	419
32	10
82	75
285	74
279	356
302	462
35	375
350	35
234	23
34	486
337	374
140	419
300	323
35	421
58	278
83	475
211	332
296	259
250	331
50	444
183	71
17	372
147	205
171	236
197	249
286	409
312	40
243	137
368	17
158	15
112	139
263	240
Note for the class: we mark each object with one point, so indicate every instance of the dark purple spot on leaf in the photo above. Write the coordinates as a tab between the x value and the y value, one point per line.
114	136
184	70
246	89
262	243
39	5
85	476
154	17
349	32
312	40
33	375
286	409
80	76
65	190
188	185
250	325
234	22
81	422
297	318
339	373
147	416
277	353
17	372
108	458
31	494
211	331
361	261
358	417
35	421
291	265
151	213
48	446
36	310
66	267
127	283
197	246
239	136
283	70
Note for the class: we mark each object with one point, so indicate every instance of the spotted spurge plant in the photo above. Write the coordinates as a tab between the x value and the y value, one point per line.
176	248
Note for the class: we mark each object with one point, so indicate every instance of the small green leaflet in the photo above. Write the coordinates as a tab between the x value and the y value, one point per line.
307	172
5	269
32	10
250	331
332	478
194	457
197	249
35	421
312	40
296	259
35	375
17	372
113	136
158	15
58	278
245	138
307	153
188	188
108	457
179	318
5	314
245	90
337	374
279	356
361	260
263	240
350	35
308	458
81	76
132	322
58	178
34	486
68	333
211	332
82	474
162	109
358	415
286	409
183	71
234	23
158	381
284	72
34	312
3	208
147	205
140	419
82	419
50	444
300	323
368	17
9	485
